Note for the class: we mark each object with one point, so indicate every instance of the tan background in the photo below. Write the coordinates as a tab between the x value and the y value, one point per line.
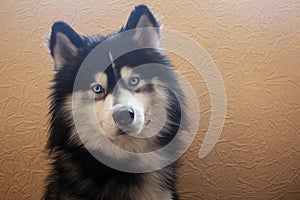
256	46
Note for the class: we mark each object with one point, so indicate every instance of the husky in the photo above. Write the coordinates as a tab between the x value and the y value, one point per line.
106	111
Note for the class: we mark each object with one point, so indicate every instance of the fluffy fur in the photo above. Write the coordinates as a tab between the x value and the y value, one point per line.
75	173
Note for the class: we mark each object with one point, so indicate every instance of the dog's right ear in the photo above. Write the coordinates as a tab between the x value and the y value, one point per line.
64	44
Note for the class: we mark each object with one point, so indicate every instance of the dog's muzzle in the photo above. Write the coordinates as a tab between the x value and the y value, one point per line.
123	117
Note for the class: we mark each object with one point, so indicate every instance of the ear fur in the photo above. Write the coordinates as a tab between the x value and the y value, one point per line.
146	26
64	44
136	15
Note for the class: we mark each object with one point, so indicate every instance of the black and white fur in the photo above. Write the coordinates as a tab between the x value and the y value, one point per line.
75	173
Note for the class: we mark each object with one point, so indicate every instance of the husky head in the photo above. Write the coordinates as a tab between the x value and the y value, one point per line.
99	91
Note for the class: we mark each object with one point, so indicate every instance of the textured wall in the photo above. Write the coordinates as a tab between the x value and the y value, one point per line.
256	46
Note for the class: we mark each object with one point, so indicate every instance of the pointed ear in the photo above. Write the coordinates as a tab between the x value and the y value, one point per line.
147	27
64	44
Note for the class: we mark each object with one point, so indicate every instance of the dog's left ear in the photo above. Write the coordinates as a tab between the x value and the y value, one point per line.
146	27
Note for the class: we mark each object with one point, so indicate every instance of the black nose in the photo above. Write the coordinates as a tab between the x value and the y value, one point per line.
123	116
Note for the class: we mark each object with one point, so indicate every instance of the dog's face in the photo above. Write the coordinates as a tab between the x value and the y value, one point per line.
128	105
124	103
132	100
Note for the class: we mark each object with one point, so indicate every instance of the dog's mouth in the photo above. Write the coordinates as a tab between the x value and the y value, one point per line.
122	132
128	131
136	131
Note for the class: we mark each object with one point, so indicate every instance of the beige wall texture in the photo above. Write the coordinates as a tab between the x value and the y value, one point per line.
254	43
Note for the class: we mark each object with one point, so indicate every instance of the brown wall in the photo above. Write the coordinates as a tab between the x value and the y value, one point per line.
256	46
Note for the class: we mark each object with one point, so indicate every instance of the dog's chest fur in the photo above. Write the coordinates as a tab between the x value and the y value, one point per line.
95	181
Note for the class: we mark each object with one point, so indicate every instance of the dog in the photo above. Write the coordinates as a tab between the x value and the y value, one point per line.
109	110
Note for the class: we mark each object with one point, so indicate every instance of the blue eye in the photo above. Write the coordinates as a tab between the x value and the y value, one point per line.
97	88
134	81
